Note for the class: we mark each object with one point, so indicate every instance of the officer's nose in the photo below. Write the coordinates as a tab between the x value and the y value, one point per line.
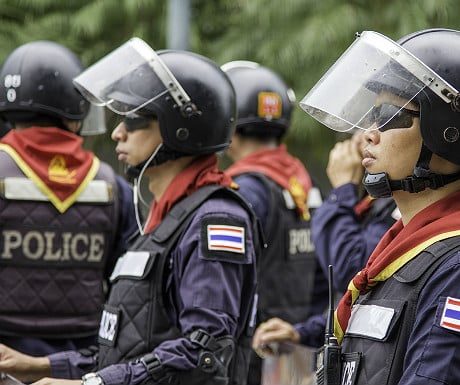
119	133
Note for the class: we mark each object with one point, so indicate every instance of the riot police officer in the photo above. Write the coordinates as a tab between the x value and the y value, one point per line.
399	320
180	307
282	193
65	216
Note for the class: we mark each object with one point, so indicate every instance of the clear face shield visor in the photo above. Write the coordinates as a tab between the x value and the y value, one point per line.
345	98
94	123
129	78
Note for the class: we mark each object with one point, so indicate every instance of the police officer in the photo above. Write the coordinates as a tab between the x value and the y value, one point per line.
349	223
345	231
180	306
278	187
399	321
65	216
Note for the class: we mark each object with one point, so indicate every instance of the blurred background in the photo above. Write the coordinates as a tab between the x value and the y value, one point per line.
300	39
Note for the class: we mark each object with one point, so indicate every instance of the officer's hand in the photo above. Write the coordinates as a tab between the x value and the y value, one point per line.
56	381
344	164
22	366
270	334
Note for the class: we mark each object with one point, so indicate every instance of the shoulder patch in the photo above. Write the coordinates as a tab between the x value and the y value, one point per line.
451	314
224	239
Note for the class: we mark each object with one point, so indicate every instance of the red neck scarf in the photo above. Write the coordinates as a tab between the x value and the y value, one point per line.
363	206
54	160
281	167
398	246
201	172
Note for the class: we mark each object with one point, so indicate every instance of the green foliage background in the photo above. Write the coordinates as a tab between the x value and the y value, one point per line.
298	38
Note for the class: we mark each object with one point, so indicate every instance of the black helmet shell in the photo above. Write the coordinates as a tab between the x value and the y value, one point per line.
439	49
264	100
37	78
210	128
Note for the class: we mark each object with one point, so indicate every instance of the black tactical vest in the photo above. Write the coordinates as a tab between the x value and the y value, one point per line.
135	320
52	264
378	359
286	268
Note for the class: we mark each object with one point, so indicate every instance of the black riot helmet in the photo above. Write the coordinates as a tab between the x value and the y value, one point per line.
36	80
421	68
192	98
264	100
206	123
438	49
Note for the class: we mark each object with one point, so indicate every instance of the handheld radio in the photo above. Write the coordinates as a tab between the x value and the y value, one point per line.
329	359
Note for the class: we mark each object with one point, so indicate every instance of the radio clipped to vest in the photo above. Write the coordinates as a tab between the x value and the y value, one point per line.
329	356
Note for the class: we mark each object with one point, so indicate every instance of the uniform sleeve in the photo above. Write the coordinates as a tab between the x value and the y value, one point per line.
71	364
339	237
312	331
210	285
256	193
127	225
433	353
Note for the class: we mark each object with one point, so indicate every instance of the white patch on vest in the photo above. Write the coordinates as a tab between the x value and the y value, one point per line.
17	188
288	200
108	326
132	263
370	321
314	198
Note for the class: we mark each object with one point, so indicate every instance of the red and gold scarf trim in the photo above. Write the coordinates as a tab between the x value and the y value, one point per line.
61	205
388	271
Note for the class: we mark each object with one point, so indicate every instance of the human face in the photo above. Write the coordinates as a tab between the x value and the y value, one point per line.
136	141
393	150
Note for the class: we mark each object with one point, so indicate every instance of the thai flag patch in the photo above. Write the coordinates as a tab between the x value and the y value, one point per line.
451	314
226	238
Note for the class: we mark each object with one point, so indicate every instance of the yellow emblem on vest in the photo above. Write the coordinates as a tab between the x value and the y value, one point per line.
300	197
58	172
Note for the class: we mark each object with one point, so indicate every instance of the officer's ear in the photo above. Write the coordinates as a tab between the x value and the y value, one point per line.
72	125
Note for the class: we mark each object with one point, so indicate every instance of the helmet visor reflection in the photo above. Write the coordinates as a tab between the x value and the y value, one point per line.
128	79
389	116
344	98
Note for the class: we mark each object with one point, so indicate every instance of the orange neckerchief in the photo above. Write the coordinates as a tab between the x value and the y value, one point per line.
284	169
398	246
54	160
201	172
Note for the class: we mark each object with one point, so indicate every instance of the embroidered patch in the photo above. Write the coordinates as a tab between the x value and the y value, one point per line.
451	314
269	105
108	328
226	238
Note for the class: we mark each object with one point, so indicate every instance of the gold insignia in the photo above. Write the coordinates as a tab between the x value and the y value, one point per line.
58	172
270	105
300	197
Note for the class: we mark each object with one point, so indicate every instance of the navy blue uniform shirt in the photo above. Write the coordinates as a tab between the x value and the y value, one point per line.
201	293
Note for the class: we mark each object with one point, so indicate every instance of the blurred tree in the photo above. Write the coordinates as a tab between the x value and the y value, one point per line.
298	38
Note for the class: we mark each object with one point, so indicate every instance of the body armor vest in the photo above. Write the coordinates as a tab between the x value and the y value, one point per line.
378	359
286	269
135	319
51	263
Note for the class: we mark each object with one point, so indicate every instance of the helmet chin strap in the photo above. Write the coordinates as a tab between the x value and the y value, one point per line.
381	186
